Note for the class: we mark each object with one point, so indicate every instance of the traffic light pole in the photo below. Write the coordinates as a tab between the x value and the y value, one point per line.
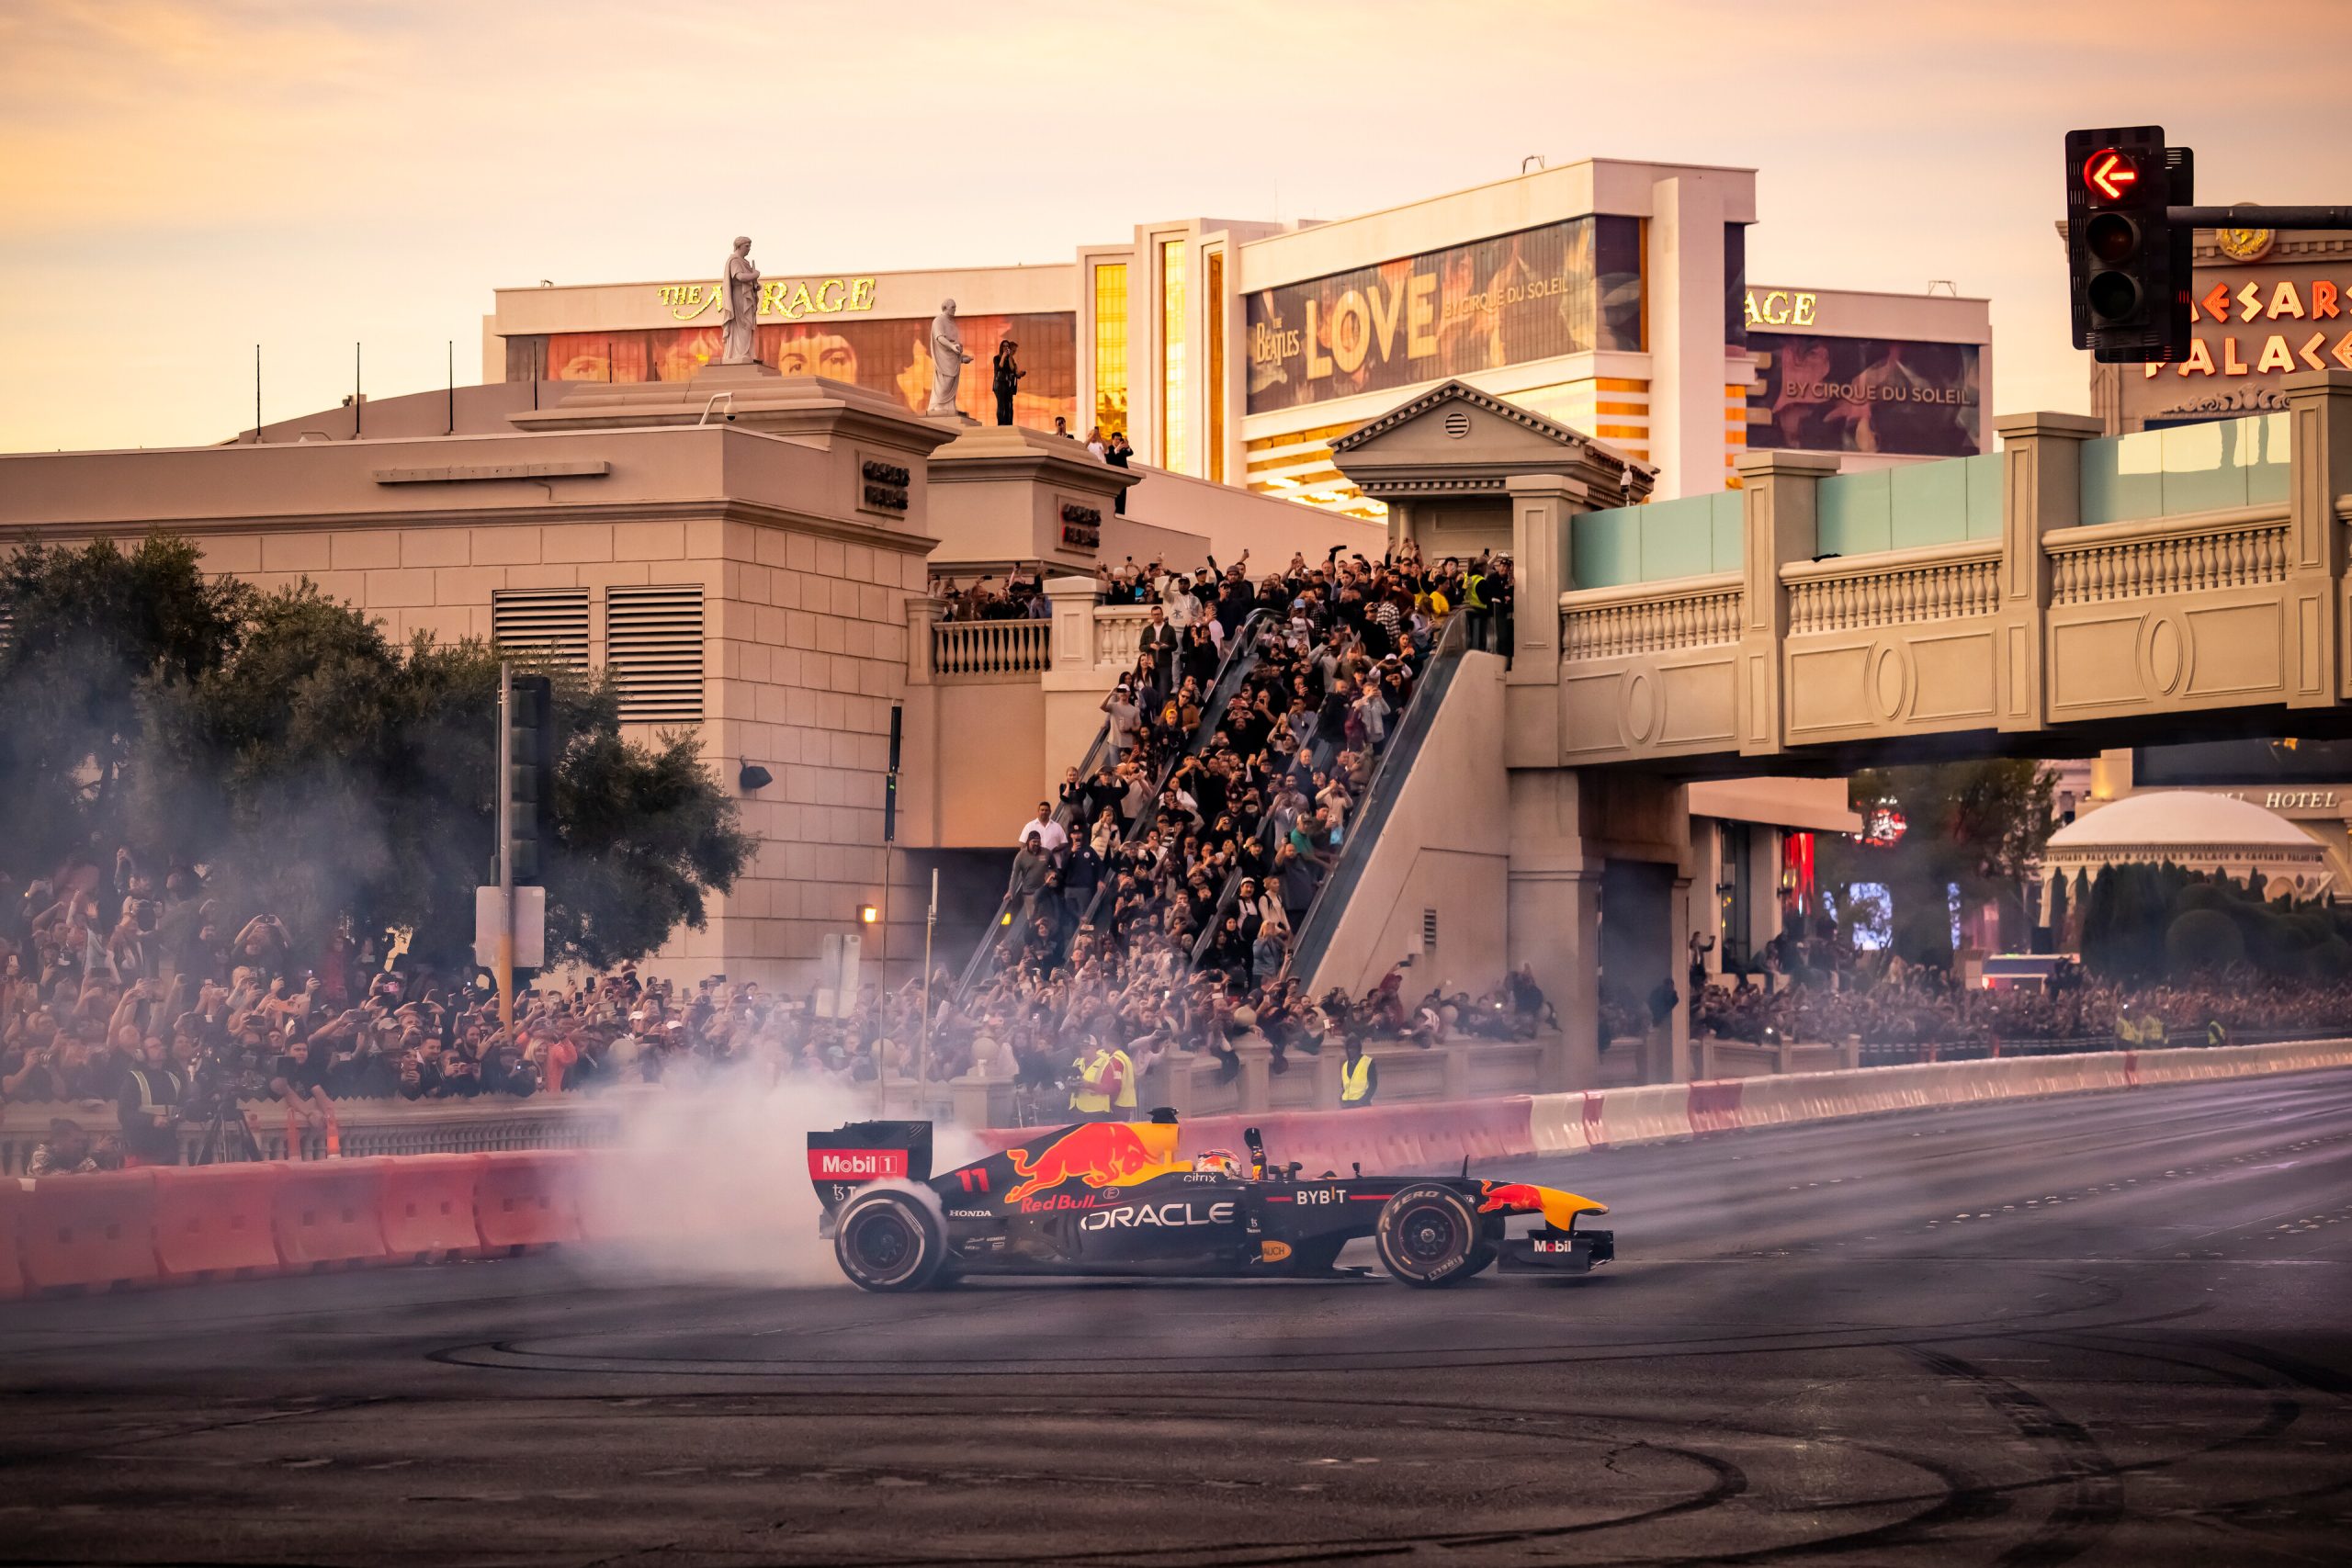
2261	217
505	972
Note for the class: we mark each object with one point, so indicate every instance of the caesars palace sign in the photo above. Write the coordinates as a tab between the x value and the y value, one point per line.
784	300
2307	326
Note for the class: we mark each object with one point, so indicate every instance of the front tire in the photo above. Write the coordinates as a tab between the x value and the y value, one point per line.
888	1241
1427	1236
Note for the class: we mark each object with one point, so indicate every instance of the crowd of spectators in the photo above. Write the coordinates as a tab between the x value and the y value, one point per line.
1886	1001
145	1020
1151	909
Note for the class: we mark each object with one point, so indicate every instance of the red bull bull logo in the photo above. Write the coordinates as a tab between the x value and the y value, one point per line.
1510	1196
1101	1153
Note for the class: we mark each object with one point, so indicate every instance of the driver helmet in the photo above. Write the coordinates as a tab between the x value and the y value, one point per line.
1218	1162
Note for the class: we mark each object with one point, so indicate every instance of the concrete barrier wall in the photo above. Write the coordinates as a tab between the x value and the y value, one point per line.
178	1225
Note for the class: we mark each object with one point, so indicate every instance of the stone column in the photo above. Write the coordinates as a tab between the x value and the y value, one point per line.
981	1100
1778	512
1556	928
1678	1027
1540	506
1257	1074
2319	414
1325	1065
1708	874
1455	1069
1400	521
1761	879
2042	489
1073	602
921	611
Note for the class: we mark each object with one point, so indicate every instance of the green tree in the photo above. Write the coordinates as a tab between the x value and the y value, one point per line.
322	772
1977	825
85	629
2200	941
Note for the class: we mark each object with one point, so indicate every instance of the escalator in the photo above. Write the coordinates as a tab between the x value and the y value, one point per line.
1239	660
1311	939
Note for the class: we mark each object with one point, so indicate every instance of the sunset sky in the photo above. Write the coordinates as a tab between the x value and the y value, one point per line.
181	181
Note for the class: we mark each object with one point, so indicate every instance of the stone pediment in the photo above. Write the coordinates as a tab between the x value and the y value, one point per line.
1454	439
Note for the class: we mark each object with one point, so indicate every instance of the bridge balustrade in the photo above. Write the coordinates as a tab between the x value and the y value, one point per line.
2067	580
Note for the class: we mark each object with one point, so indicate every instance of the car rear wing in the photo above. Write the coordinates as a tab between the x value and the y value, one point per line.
851	1155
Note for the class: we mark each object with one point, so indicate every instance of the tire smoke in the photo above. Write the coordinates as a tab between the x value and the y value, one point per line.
716	1177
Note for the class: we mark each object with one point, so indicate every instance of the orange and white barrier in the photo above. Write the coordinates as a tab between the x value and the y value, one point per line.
169	1224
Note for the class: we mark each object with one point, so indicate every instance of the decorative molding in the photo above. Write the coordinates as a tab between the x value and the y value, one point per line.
1462	392
547	513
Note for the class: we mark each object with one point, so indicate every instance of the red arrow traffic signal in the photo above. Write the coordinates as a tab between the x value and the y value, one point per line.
2109	173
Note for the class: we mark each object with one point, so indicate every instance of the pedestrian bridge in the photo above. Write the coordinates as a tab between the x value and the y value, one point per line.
2068	593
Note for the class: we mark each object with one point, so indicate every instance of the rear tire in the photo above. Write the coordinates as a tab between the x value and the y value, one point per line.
1427	1236
888	1241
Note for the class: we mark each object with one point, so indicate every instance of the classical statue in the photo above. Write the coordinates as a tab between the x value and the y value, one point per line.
739	313
947	359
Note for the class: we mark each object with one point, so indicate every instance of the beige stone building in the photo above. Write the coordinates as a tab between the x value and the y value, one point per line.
747	553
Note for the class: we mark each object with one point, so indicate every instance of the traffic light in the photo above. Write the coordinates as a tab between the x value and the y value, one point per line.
2128	264
530	772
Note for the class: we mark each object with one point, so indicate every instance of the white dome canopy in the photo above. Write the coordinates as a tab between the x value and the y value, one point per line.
2182	817
2200	832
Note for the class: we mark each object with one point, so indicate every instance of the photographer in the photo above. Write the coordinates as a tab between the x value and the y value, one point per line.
34	1072
70	1151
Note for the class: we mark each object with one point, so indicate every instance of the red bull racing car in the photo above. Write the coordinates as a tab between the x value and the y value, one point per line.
1114	1198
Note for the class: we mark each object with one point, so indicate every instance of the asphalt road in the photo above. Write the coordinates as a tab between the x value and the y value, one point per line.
2103	1329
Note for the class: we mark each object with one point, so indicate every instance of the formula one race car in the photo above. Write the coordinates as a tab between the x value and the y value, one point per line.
1114	1198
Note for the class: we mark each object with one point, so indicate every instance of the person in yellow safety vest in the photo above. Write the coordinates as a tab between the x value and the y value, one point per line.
1086	1096
1359	1078
2215	1034
1473	604
1106	1082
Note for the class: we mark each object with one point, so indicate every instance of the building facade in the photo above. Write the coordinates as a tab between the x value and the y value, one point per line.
1609	296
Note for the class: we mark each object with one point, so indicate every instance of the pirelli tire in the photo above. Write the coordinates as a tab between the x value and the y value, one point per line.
889	1241
1427	1236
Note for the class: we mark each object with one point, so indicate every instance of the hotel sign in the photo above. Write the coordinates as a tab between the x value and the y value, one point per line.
2258	309
1781	308
2309	324
781	299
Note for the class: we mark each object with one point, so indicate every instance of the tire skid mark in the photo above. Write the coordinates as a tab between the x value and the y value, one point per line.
2092	1503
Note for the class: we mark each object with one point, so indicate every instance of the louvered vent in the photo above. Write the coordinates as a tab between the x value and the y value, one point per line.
653	648
549	622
